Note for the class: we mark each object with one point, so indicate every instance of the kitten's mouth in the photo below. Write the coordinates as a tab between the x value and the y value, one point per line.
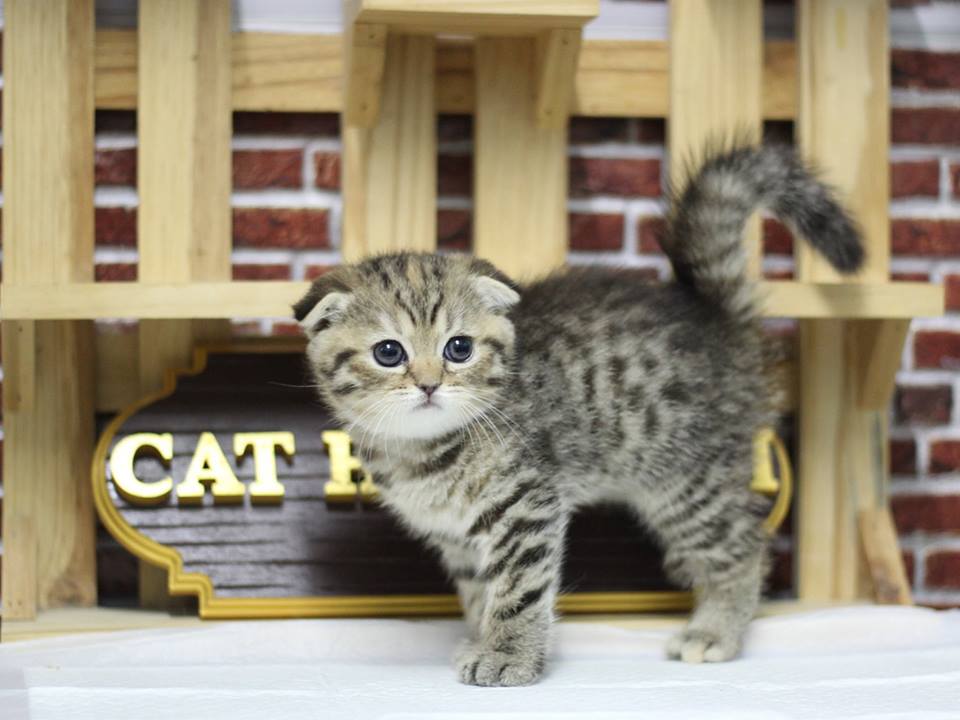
427	404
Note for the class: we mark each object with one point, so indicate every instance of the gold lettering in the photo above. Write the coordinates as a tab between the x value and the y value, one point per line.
132	489
265	488
209	465
341	487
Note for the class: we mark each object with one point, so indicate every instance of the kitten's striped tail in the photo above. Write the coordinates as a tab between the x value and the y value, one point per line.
704	237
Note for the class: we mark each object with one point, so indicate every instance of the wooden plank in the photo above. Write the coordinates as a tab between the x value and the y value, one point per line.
365	51
558	52
716	61
395	161
286	72
183	177
184	141
821	391
843	57
273	299
514	17
878	348
183	161
879	537
843	128
48	238
302	73
518	225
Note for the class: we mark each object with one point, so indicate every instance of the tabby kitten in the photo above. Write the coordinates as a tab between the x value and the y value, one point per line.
489	411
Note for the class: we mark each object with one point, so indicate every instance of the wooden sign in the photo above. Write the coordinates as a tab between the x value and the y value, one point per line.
236	479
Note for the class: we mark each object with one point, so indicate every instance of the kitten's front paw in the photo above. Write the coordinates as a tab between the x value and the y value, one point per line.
477	665
697	646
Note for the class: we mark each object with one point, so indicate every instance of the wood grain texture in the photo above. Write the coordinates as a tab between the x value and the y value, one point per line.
519	225
365	51
558	53
48	238
846	368
389	170
843	121
183	168
716	63
274	298
821	393
183	174
290	72
506	17
184	130
879	537
877	353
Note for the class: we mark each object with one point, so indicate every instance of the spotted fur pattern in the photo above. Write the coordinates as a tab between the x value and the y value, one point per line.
588	386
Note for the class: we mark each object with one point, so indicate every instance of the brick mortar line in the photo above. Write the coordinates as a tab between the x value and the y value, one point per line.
923	98
932	486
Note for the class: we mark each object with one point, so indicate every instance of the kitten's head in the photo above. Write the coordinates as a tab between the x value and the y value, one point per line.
407	345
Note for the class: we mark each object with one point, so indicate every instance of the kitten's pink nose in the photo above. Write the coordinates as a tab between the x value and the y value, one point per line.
427	389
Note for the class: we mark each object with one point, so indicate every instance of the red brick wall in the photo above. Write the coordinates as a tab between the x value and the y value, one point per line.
287	216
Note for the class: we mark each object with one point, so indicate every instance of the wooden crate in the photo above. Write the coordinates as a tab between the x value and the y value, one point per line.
523	75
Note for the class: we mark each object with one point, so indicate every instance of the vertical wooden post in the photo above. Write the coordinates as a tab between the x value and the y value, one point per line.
520	160
843	127
183	175
390	175
49	557
716	64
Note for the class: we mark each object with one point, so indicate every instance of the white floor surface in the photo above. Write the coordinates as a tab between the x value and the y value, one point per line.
850	663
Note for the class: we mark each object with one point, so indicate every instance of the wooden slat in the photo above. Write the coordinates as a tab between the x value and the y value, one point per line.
395	161
716	61
510	17
843	56
365	51
521	226
48	238
290	72
558	52
183	161
273	298
878	348
821	389
879	537
183	177
843	127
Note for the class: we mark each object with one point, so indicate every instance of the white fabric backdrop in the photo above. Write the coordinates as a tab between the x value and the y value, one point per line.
852	663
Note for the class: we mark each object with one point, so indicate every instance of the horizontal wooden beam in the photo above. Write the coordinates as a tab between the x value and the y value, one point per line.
302	73
272	299
517	17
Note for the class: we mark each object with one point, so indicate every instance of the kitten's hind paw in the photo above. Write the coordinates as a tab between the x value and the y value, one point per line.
477	665
697	646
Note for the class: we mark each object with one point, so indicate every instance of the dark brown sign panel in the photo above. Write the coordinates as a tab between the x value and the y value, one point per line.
236	479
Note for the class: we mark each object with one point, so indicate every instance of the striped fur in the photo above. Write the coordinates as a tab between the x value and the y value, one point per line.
705	226
589	386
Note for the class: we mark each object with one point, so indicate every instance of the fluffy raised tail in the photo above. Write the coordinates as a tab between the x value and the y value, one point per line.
704	236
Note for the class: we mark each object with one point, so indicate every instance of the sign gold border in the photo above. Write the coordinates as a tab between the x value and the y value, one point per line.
220	608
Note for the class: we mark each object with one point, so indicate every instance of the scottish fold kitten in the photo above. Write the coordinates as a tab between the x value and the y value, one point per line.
489	411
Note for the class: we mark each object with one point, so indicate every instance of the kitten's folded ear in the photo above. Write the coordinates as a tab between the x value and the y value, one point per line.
324	303
498	292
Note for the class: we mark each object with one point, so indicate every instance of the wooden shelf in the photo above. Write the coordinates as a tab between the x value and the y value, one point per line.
273	299
469	16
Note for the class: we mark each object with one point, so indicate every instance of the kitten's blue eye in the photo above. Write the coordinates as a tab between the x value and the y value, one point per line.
389	353
458	349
